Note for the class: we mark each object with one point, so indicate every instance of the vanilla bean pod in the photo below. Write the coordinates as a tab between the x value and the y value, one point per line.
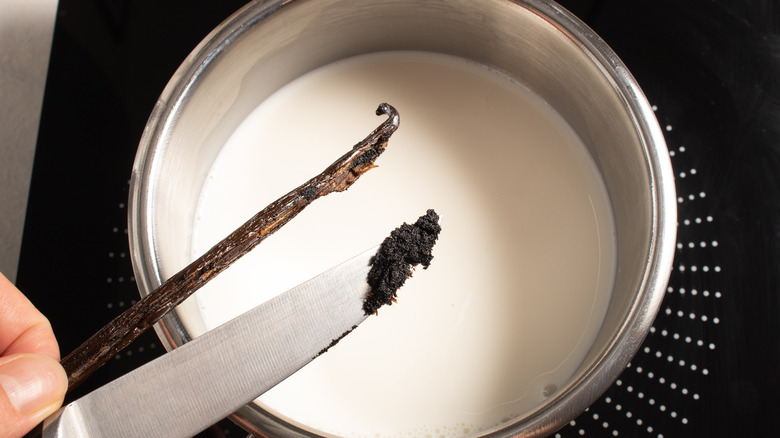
126	327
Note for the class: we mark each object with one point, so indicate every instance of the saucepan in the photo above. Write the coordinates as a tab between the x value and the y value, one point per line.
544	48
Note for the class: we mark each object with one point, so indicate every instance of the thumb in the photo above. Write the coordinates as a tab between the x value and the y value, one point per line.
32	386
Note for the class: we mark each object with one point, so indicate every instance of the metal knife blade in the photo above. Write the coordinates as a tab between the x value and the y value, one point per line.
192	387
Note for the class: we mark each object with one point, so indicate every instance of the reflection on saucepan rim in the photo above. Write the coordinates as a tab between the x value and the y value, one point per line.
519	126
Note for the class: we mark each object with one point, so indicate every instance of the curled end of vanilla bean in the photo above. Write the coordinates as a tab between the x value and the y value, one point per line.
377	140
393	119
362	156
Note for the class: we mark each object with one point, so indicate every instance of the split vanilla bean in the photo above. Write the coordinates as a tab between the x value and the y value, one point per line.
126	327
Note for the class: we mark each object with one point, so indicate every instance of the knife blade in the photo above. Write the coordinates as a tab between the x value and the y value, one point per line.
192	387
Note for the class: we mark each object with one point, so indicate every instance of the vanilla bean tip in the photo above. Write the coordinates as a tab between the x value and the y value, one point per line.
393	117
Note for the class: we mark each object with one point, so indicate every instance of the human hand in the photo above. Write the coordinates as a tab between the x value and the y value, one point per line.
32	382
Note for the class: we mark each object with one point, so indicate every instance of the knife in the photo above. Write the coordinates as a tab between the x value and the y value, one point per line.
194	386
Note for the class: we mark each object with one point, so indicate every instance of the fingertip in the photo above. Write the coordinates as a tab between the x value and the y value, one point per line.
33	386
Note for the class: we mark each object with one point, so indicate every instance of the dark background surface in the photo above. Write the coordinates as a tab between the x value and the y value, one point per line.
711	68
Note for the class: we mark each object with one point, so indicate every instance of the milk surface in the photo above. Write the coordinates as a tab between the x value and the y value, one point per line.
521	275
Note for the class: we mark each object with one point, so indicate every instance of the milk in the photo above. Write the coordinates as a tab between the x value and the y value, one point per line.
521	275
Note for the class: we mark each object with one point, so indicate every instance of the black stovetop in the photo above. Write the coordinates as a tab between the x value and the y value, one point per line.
711	69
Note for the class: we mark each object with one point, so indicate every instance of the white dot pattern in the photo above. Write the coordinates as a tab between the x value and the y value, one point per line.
122	292
663	379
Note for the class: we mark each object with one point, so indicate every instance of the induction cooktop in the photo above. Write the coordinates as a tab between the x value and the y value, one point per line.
711	70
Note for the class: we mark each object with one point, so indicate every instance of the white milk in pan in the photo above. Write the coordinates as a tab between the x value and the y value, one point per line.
521	275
